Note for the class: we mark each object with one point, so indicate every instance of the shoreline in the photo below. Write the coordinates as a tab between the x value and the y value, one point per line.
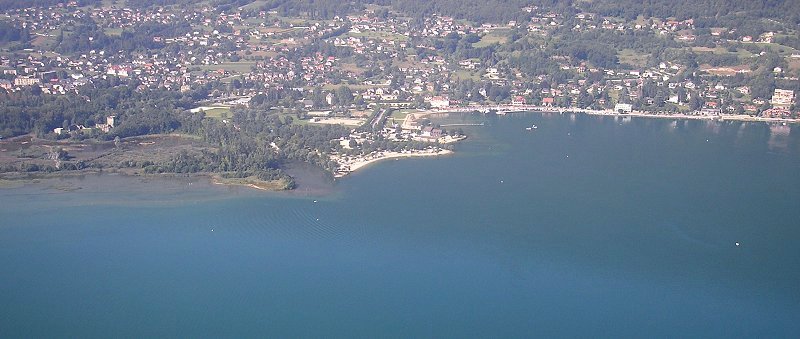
254	183
741	118
510	109
352	165
18	179
348	165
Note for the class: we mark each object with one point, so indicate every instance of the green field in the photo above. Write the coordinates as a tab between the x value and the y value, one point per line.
400	114
499	36
43	42
218	113
117	3
794	65
741	52
463	74
113	31
254	5
295	120
632	57
780	49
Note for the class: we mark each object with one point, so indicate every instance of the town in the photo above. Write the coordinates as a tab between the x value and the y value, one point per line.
378	71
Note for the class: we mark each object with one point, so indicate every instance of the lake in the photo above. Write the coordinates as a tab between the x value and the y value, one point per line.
584	227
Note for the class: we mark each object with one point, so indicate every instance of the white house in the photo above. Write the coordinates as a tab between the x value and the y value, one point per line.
440	102
623	108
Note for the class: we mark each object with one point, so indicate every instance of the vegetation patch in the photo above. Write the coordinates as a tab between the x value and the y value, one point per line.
632	57
255	182
499	36
217	112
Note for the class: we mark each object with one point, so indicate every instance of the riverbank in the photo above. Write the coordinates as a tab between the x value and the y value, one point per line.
348	164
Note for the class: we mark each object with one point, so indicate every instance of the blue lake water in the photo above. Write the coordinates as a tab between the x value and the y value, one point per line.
586	226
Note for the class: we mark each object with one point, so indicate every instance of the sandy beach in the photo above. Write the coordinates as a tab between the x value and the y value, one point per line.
339	121
349	166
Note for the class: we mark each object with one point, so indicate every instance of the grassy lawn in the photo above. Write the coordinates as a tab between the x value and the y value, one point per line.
254	4
463	74
265	54
400	114
351	67
499	36
613	95
117	3
794	65
43	41
295	120
218	113
780	49
741	53
632	57
113	31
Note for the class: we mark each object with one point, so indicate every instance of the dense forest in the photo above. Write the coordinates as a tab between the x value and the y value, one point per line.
146	112
500	11
497	11
786	10
85	36
477	11
11	33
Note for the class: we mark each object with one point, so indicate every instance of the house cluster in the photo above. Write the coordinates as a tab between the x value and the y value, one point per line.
387	60
106	127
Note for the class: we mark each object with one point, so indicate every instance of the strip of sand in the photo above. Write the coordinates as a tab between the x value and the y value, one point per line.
350	165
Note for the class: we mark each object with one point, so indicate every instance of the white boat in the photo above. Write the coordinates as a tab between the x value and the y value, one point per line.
533	127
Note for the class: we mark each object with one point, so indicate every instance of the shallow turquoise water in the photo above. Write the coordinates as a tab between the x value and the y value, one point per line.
586	226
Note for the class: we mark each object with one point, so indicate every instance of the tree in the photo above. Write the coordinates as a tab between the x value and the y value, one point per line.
695	103
344	95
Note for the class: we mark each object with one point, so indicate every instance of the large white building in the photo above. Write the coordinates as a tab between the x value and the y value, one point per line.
440	102
782	98
25	81
623	108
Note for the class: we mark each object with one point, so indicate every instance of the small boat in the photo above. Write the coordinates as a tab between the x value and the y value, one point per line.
533	127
